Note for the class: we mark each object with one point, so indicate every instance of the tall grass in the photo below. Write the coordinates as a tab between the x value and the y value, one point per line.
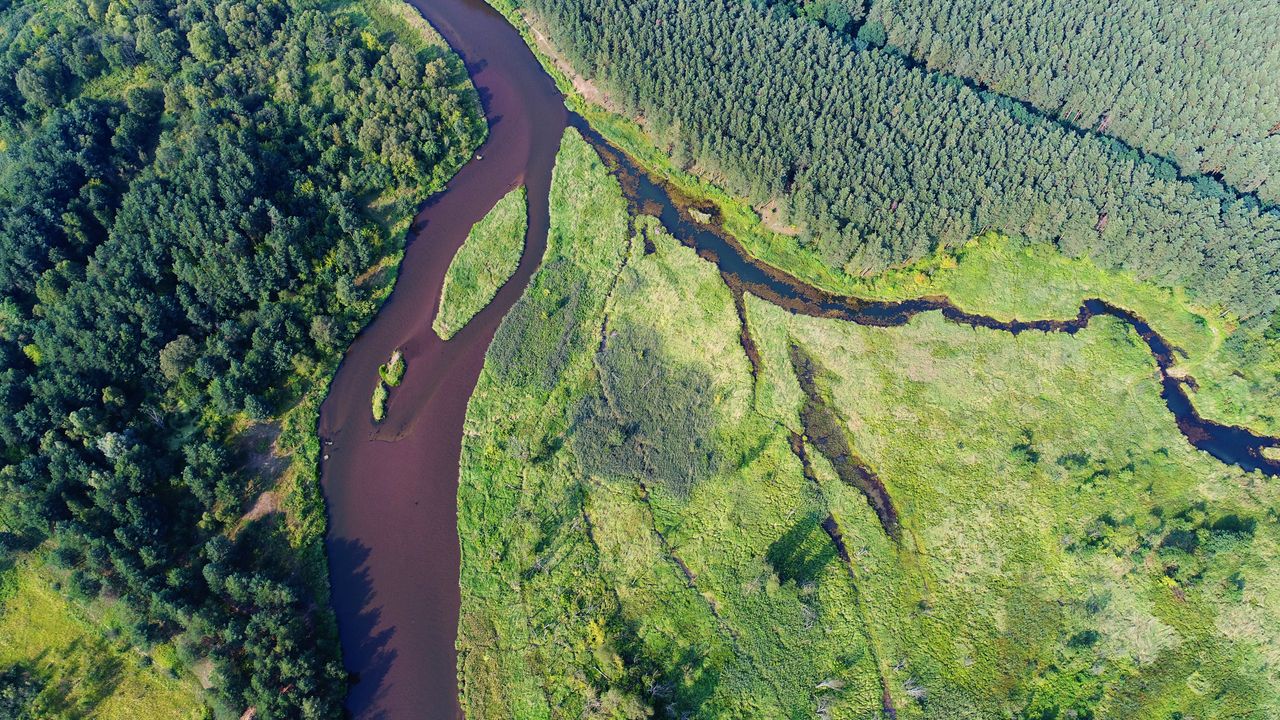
639	535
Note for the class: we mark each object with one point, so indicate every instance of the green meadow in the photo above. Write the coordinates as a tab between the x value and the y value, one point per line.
1237	366
649	527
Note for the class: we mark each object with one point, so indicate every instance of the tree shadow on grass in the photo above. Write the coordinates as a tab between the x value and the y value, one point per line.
802	553
86	673
675	689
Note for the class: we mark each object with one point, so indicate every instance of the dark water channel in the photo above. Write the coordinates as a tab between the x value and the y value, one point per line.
1228	443
391	489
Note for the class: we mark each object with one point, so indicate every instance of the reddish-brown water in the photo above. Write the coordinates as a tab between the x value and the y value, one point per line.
391	489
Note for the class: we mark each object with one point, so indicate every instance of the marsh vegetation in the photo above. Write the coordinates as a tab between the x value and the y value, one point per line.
702	532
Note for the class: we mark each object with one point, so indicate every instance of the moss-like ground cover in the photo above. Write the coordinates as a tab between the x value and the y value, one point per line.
645	528
483	264
80	672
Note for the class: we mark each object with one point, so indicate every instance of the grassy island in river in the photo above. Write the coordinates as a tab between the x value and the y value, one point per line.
483	264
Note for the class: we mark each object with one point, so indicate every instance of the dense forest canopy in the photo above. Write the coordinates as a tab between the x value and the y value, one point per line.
1192	81
185	193
880	161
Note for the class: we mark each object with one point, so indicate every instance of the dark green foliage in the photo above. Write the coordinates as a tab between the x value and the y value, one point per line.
166	250
542	334
839	15
1193	539
1181	79
880	161
19	688
653	419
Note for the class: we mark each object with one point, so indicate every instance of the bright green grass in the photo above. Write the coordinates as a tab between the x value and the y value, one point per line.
518	657
1038	479
1064	549
483	264
1237	369
86	675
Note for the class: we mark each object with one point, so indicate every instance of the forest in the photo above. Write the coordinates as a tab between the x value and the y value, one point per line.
1190	81
190	197
878	161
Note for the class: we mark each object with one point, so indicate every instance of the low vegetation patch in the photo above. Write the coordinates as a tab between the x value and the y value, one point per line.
392	371
390	374
483	264
379	403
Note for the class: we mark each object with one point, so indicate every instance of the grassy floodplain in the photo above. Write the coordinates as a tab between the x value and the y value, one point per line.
79	672
1237	367
646	528
484	263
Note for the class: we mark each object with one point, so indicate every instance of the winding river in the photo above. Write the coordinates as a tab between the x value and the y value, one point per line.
1228	443
391	489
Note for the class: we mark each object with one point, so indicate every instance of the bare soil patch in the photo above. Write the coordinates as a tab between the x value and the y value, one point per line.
771	219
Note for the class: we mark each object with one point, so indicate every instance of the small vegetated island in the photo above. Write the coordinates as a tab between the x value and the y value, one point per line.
483	264
201	203
390	374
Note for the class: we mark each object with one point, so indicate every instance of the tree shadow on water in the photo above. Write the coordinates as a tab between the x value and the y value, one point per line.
366	651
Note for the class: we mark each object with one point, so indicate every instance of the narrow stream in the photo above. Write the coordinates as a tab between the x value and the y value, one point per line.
1228	443
391	488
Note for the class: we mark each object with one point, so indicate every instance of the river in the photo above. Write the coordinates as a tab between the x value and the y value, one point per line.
391	489
743	273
